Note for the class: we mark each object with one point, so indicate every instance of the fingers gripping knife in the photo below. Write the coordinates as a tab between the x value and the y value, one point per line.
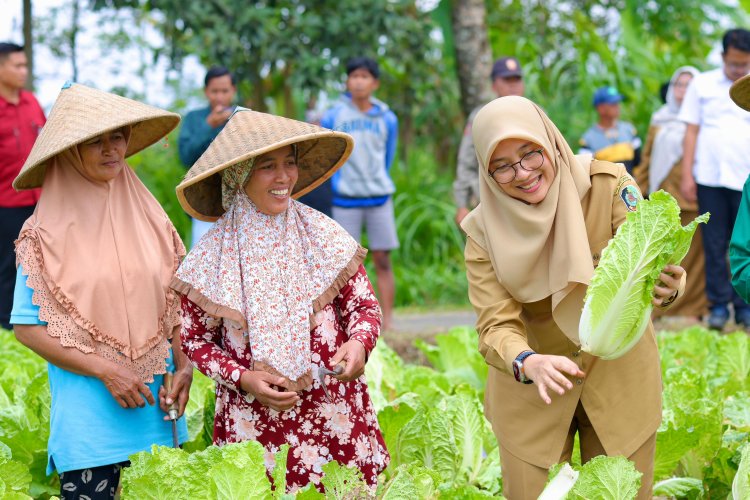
323	371
172	408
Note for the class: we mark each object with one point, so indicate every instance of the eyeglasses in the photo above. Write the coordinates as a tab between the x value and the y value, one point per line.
533	160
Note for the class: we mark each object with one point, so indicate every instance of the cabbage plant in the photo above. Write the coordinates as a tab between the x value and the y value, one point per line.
617	306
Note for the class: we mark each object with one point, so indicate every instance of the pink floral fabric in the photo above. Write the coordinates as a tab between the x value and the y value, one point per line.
345	429
270	269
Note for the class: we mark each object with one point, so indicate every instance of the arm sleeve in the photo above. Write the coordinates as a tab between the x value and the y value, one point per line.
201	341
690	111
192	143
359	309
328	120
467	169
502	334
24	311
390	145
739	247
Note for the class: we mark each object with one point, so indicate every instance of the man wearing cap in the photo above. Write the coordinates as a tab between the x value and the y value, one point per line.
715	165
21	119
610	139
507	79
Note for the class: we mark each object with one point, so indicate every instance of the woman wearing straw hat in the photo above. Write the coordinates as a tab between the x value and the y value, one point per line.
533	242
92	292
274	293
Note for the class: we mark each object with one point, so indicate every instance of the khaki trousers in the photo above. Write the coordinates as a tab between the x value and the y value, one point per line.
524	481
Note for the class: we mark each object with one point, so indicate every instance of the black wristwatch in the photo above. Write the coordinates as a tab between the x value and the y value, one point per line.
518	367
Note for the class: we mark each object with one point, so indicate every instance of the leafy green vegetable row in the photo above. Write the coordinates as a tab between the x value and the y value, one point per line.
432	420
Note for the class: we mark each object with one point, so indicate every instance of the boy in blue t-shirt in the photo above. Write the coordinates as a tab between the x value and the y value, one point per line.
362	188
611	139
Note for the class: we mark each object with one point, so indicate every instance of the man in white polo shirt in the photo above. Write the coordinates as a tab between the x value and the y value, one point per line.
715	165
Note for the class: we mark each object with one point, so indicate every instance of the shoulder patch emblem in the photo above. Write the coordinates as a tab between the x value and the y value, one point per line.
630	196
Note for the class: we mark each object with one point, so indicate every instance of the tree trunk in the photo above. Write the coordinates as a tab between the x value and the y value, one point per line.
74	28
473	55
28	43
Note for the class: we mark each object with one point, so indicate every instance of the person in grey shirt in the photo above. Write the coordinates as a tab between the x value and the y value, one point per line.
507	79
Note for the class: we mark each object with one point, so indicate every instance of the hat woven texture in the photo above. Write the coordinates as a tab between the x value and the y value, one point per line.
740	92
81	113
248	134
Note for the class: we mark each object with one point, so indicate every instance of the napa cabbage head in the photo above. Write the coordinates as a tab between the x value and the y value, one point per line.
617	307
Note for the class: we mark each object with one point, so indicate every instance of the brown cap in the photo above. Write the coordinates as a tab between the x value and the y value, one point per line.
506	67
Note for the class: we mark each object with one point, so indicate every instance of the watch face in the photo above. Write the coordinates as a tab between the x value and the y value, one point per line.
517	370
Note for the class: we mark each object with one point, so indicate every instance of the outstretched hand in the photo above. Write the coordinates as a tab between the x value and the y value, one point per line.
548	373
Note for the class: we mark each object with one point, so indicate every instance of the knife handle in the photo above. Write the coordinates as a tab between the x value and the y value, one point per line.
168	379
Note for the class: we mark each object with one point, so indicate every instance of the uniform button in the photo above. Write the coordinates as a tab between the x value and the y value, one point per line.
579	381
575	354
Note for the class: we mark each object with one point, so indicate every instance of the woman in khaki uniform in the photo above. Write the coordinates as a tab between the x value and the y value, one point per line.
533	242
660	168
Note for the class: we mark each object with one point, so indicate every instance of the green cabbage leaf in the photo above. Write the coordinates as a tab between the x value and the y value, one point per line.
617	306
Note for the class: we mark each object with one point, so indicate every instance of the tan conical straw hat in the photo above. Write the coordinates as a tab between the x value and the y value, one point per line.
81	113
740	92
247	134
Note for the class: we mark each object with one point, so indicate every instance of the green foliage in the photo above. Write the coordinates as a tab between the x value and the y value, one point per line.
235	471
24	418
429	264
434	428
611	478
570	48
161	171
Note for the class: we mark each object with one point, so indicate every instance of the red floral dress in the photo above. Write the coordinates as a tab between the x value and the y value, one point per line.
345	429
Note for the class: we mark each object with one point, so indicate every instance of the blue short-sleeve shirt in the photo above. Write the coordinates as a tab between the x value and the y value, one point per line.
87	426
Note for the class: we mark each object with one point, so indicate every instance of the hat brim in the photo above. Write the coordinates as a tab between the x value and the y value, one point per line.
610	100
740	92
508	74
319	155
81	113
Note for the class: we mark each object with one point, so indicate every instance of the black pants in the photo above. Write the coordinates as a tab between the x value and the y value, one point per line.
723	204
11	220
95	483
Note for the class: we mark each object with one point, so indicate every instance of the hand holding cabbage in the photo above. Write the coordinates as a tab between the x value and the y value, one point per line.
618	301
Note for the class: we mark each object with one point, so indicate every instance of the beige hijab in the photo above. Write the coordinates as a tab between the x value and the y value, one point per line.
541	250
99	257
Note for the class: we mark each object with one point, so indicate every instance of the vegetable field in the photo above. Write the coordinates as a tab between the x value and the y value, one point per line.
431	417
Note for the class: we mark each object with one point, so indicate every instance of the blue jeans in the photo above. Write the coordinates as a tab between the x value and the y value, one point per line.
723	204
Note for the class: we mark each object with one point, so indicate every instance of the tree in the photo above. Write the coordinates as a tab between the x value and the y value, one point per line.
28	42
284	51
473	55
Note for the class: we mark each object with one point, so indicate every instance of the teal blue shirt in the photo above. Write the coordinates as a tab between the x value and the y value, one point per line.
195	136
87	426
739	247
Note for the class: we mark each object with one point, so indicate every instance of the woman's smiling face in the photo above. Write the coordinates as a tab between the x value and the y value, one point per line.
272	180
528	186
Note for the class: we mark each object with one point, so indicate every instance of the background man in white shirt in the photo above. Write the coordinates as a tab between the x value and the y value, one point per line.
715	165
